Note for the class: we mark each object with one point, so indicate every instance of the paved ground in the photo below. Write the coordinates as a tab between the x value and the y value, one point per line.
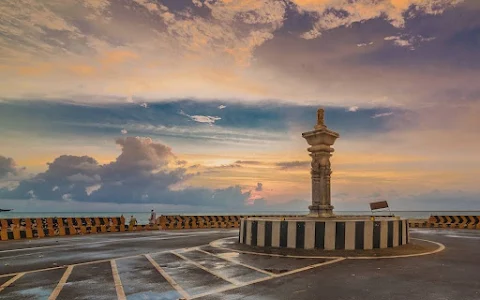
181	264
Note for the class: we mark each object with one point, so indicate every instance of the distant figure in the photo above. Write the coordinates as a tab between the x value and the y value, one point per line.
133	221
153	218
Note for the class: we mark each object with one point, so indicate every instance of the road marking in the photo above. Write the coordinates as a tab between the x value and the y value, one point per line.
232	281
6	284
118	281
215	245
61	283
440	248
83	263
94	243
29	254
331	261
235	262
224	289
167	277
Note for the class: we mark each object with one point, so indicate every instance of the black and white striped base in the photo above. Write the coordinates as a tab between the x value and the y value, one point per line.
338	234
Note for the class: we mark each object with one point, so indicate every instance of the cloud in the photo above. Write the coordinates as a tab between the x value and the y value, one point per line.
90	189
292	164
353	108
124	131
259	187
205	119
381	115
406	40
249	162
364	44
144	172
8	167
330	14
201	119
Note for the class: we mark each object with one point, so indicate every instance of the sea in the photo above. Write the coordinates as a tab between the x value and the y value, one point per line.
142	217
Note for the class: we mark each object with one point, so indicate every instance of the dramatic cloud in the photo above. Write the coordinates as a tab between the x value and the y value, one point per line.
144	172
7	167
330	14
160	50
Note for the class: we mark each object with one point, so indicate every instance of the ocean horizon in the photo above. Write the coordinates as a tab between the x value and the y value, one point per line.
142	217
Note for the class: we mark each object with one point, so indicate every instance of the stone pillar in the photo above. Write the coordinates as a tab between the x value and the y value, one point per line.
320	140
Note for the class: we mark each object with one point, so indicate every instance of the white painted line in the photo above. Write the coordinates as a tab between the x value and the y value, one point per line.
34	271
214	244
94	243
229	288
235	262
118	281
232	281
85	263
9	282
169	279
224	289
61	283
441	247
14	256
331	261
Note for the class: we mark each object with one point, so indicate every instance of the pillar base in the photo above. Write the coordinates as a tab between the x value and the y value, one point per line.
323	211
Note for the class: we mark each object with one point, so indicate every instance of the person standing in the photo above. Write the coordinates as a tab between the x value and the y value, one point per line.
153	218
133	222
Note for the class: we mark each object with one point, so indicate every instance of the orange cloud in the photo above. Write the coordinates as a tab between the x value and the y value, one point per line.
118	56
82	69
35	70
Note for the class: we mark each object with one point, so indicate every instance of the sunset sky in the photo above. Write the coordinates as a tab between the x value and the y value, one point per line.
189	105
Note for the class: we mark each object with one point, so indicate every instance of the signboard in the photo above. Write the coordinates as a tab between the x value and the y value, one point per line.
378	205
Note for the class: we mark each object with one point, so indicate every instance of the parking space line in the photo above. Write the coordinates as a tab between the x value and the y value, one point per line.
215	244
167	277
235	262
225	289
232	281
118	281
6	284
83	263
332	261
61	283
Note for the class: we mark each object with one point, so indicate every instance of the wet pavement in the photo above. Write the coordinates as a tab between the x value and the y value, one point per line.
182	265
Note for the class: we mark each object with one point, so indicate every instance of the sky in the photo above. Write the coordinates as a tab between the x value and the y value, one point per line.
199	105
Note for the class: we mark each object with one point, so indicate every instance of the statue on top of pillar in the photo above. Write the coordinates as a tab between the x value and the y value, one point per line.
320	119
320	116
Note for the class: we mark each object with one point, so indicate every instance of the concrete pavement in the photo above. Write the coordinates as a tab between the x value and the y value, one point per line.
181	264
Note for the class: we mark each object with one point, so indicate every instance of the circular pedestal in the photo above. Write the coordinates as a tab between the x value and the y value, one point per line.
337	233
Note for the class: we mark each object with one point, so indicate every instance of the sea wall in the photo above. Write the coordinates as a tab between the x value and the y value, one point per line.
24	228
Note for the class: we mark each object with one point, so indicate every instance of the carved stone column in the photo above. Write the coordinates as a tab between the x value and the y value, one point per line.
320	141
